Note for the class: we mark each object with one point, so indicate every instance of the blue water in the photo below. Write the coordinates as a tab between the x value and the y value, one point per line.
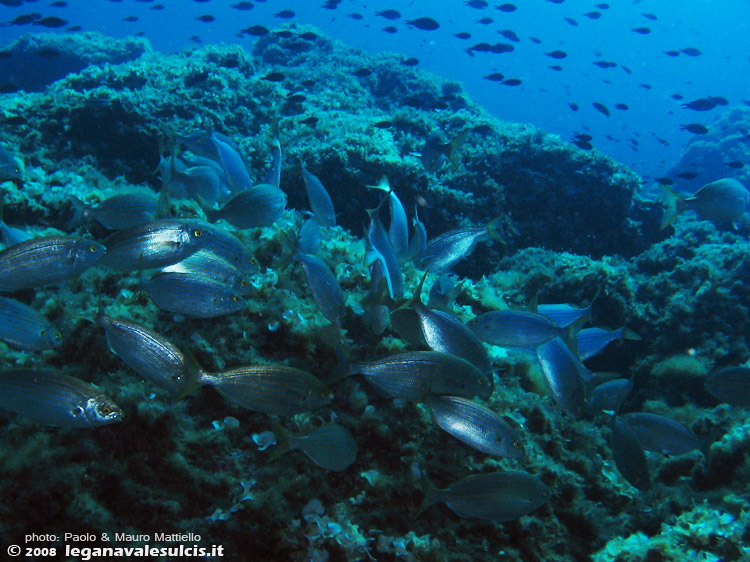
718	29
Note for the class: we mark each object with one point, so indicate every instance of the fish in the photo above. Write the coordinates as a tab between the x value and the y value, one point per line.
418	241
389	14
511	82
10	169
390	29
507	8
54	399
423	23
148	353
594	15
276	390
324	285
630	458
274	77
243	6
436	151
557	54
122	211
309	237
730	385
660	434
509	34
260	205
46	260
609	396
475	425
154	244
284	14
565	375
641	30
601	108
331	446
381	250
483	21
398	228
476	4
494	77
736	164
515	328
444	291
201	179
571	21
565	315
605	64
500	496
22	327
691	51
462	35
52	22
439	331
256	30
207	18
320	202
193	295
702	104
444	251
722	202
622	106
227	246
591	341
206	263
695	128
413	375
10	235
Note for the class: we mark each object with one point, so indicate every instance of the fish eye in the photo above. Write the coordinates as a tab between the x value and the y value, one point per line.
93	249
517	445
105	410
235	298
197	233
58	335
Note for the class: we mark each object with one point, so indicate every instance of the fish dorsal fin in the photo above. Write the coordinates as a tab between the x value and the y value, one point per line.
416	297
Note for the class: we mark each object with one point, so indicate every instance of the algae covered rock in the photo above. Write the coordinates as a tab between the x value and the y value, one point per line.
54	56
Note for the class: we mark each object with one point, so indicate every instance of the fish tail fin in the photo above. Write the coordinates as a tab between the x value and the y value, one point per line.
492	228
289	249
429	489
453	148
194	373
382	185
632	335
79	213
416	297
675	205
283	443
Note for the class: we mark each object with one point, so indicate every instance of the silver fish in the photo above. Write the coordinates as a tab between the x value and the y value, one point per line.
444	251
193	295
730	385
565	375
207	264
440	331
380	249
320	202
10	235
475	425
565	315
591	341
413	375
273	176
332	446
660	434
436	151
154	244
723	202
309	237
277	390
260	205
122	211
609	395
500	496
515	328
418	241
324	285
229	247
54	399
46	260
24	328
149	354
630	459
398	228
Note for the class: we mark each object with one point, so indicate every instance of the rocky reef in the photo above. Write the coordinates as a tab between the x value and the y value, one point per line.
572	225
